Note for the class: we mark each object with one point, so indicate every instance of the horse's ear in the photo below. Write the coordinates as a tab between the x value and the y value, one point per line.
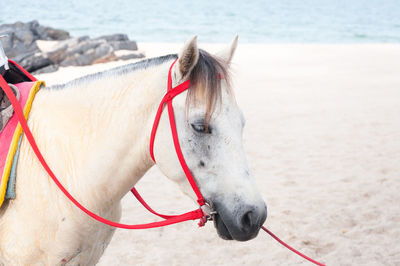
228	52
188	56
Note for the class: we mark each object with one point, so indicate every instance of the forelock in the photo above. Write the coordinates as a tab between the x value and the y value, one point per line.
206	80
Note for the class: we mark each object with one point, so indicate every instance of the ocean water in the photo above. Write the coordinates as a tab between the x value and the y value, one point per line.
257	21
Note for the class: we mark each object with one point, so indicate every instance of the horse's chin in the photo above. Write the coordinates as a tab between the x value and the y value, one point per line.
222	230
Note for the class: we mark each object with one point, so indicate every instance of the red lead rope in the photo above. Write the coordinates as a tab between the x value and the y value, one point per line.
290	248
169	219
141	200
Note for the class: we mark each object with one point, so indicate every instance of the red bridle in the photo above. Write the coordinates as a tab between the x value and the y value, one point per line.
169	219
167	99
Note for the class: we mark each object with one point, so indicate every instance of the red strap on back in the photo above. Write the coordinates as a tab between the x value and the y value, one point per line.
29	75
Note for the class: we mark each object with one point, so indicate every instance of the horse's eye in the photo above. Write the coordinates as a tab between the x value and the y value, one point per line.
201	128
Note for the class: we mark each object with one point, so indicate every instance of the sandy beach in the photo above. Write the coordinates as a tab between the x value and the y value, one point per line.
323	141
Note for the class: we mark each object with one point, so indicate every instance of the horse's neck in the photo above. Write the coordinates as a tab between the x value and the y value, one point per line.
95	135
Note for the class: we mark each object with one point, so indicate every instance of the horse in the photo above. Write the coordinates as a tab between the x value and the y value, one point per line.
94	132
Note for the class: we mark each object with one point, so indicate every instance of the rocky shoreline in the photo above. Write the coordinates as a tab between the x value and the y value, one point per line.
41	49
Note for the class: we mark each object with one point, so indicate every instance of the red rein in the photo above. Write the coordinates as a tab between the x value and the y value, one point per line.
169	219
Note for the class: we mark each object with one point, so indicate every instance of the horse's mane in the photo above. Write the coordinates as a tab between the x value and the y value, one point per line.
205	79
116	71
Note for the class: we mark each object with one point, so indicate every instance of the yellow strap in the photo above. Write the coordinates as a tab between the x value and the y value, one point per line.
14	143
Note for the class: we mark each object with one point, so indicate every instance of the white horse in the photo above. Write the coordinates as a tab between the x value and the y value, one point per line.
94	133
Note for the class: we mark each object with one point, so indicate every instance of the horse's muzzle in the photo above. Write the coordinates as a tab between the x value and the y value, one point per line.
242	224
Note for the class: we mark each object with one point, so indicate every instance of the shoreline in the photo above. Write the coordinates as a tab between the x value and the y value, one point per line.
153	49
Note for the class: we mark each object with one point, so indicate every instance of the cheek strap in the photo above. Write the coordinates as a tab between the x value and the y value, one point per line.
167	99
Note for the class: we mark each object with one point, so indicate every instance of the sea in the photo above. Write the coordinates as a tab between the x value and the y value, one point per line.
256	21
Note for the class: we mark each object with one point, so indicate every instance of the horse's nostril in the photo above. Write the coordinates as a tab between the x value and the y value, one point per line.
247	221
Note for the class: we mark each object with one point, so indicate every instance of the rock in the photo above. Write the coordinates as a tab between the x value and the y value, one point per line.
48	69
124	45
23	56
85	59
103	50
31	25
55	34
84	46
35	62
46	33
20	39
130	56
40	32
106	59
114	37
7	41
58	55
87	53
21	45
70	43
25	36
69	61
19	48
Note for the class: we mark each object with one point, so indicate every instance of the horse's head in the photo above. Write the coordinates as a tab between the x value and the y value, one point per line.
210	125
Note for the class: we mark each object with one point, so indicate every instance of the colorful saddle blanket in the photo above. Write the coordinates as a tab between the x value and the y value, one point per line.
11	135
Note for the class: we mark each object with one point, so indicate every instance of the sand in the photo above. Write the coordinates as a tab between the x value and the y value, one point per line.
323	141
